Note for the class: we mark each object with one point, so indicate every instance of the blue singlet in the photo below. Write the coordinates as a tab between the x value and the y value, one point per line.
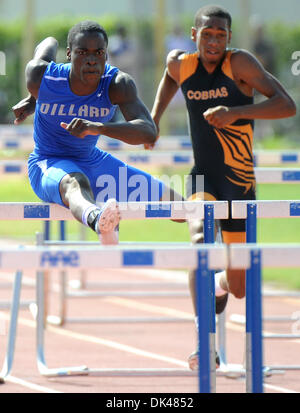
58	153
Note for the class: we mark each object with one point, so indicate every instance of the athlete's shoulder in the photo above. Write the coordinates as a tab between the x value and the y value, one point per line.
234	60
57	71
188	65
120	78
122	87
240	56
110	70
174	55
244	63
34	73
177	55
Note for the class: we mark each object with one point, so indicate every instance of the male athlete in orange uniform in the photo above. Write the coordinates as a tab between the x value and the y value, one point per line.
218	85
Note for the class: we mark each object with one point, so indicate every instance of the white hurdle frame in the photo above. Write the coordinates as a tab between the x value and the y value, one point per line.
41	258
20	137
10	211
263	174
251	211
220	211
203	258
261	256
139	210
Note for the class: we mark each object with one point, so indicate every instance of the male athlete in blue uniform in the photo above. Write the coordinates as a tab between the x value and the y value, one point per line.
73	104
218	85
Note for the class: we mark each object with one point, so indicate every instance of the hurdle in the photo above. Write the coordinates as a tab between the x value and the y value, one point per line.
207	210
41	258
16	137
175	210
251	211
203	258
20	137
263	174
260	256
163	210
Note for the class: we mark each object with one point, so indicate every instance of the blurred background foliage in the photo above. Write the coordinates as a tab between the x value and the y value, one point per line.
285	38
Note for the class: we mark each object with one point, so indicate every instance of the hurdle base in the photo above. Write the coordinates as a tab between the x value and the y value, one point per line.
142	372
58	321
229	371
236	371
62	371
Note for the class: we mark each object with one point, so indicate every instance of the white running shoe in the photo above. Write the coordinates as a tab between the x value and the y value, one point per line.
108	223
193	361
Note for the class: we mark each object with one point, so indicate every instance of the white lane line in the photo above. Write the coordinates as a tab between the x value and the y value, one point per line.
107	343
117	346
280	389
29	385
175	313
122	347
124	302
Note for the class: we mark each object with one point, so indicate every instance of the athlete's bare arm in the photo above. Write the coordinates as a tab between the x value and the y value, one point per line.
249	74
167	89
44	53
138	127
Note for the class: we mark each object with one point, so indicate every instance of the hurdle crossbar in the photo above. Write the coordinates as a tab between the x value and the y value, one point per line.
20	137
128	210
262	174
41	258
267	209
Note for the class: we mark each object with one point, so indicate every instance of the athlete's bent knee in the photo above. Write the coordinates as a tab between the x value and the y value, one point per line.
73	182
196	231
197	238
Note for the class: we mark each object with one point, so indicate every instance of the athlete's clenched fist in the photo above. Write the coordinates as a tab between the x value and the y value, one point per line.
81	127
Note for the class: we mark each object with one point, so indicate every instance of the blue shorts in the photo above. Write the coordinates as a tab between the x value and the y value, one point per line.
109	178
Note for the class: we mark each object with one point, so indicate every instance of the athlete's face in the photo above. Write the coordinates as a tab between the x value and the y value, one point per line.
88	55
211	37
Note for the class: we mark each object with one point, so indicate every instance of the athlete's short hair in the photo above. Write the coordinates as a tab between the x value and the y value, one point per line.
86	26
212	11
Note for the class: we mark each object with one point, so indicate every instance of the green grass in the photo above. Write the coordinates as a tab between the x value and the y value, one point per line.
280	230
17	189
277	142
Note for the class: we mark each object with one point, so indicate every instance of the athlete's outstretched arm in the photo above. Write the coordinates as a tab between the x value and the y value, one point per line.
44	53
138	127
166	90
247	69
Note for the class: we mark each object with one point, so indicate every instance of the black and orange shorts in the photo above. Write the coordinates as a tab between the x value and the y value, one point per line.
220	188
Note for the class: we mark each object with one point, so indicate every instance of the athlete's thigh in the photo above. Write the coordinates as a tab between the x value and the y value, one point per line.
112	178
45	176
232	229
